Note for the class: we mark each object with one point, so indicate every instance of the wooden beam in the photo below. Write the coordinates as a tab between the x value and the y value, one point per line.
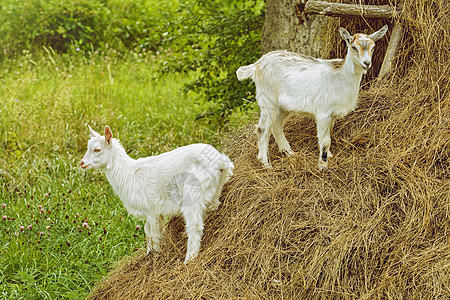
351	10
394	44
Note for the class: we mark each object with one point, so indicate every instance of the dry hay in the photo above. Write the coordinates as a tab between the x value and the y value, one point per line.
375	225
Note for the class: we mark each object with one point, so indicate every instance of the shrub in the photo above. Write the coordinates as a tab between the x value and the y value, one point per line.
85	24
214	38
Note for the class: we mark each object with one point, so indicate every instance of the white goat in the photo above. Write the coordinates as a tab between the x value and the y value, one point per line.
326	90
186	181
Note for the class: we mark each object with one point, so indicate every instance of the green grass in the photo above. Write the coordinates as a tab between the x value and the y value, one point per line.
74	227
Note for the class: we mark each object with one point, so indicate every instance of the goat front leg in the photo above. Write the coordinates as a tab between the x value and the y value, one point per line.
193	216
153	232
333	120
324	126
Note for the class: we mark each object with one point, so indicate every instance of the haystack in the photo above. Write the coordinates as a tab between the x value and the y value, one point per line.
374	225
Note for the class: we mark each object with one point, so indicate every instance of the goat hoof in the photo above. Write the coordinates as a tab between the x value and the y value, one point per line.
287	152
267	166
189	258
322	165
151	250
259	157
153	254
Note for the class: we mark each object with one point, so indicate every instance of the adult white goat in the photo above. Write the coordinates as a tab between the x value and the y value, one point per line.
326	90
186	181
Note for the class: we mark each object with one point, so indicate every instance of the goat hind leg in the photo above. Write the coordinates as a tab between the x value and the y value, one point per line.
278	134
258	131
263	131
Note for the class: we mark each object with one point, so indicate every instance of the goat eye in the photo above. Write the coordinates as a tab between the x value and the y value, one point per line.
354	48
96	150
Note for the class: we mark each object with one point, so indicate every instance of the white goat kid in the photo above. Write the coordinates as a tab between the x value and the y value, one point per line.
186	181
326	90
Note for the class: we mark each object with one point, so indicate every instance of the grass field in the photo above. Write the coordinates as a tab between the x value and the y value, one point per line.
62	228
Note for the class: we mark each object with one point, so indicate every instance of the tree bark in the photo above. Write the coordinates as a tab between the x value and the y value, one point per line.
351	10
287	27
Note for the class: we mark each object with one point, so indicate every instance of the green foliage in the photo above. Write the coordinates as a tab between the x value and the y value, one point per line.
80	24
215	38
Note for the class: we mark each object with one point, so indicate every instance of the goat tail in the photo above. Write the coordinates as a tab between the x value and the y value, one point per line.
245	72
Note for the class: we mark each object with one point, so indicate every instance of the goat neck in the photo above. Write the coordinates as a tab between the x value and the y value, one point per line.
351	66
119	169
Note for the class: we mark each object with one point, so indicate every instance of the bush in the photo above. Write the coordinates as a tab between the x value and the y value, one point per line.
214	38
84	24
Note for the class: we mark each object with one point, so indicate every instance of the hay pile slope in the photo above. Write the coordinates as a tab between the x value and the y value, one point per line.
375	225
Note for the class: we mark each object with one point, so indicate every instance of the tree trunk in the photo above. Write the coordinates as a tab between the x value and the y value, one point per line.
286	27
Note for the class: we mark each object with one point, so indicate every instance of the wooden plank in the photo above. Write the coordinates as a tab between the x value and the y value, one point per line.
351	10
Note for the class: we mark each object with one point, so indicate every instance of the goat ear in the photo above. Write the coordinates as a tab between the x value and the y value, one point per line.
108	135
92	132
379	34
346	35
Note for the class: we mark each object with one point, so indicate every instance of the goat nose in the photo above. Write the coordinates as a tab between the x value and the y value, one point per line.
366	63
